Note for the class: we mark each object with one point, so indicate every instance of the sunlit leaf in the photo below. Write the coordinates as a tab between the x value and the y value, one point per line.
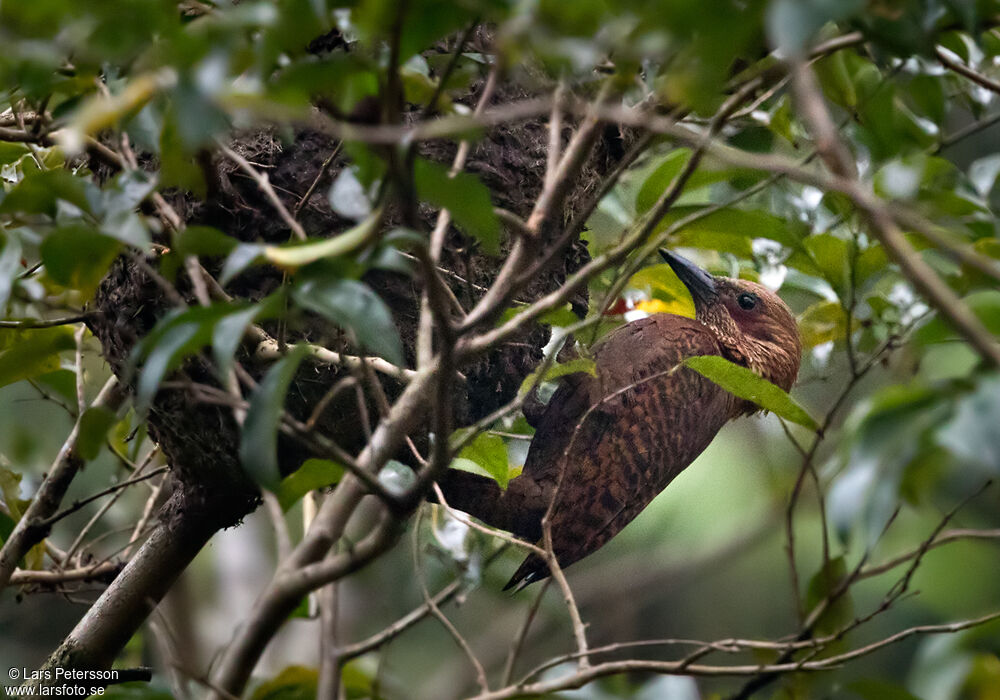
293	683
822	322
313	474
489	453
295	255
560	317
10	489
743	383
583	365
35	353
102	110
663	284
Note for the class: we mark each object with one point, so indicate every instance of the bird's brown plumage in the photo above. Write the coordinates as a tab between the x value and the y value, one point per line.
606	445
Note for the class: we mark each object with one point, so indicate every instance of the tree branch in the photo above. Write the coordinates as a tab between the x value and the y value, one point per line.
32	527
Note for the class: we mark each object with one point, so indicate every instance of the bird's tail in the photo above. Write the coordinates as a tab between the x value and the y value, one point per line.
512	510
482	498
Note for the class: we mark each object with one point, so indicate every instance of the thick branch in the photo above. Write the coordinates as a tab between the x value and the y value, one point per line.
124	606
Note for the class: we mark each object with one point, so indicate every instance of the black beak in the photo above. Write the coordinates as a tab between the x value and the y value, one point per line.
699	283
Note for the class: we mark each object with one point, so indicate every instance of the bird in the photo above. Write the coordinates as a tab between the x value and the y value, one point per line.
606	444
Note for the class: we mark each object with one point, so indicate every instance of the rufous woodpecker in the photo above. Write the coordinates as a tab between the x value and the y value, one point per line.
606	445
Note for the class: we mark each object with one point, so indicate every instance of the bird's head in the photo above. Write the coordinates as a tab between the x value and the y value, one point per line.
752	323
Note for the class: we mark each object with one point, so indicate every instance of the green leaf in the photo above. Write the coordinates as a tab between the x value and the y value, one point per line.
94	425
177	335
835	79
831	256
181	340
313	474
61	382
489	453
792	23
870	265
822	322
10	267
560	316
985	305
662	283
177	166
887	434
296	255
7	525
657	182
465	197
77	257
203	240
873	689
347	196
419	88
240	258
10	489
823	584
137	690
293	683
467	465
38	193
259	438
731	230
227	335
556	370
743	383
397	478
35	353
353	306
12	152
971	433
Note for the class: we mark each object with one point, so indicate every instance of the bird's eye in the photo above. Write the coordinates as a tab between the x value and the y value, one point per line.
746	301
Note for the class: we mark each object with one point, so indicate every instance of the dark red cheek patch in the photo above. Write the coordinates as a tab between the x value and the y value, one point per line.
751	322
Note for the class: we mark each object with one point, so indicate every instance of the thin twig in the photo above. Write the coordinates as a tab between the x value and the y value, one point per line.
319	176
461	641
584	676
28	531
77	505
265	186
